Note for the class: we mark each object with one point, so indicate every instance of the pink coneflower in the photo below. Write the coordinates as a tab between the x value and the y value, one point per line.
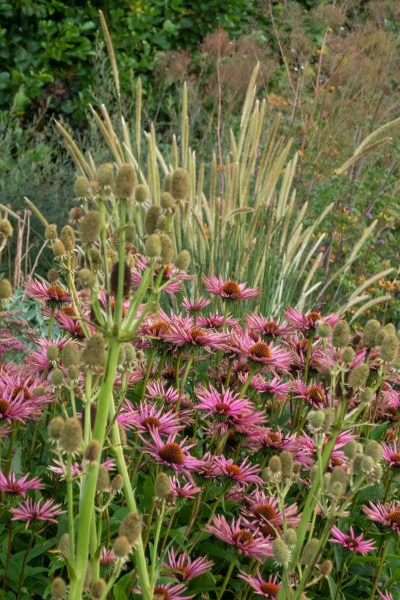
351	542
243	473
195	306
169	591
265	437
158	391
216	321
266	327
148	417
171	453
71	325
385	596
16	409
53	295
265	515
9	484
307	323
183	568
224	404
183	332
313	394
229	289
259	352
275	387
391	454
247	542
36	511
77	468
38	358
262	587
187	490
107	557
171	280
388	514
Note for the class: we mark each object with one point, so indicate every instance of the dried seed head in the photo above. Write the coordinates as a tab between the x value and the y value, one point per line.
71	435
87	279
64	544
94	353
103	479
348	355
115	277
356	464
125	182
167	201
371	330
117	483
286	460
151	218
54	428
58	588
339	474
324	330
281	551
6	290
105	174
82	189
131	527
93	451
290	537
73	373
67	237
182	261
308	551
50	233
390	347
6	229
162	486
366	396
52	353
98	588
52	275
162	223
142	193
367	465
374	450
121	547
70	355
95	260
316	418
325	568
153	246
350	449
167	249
275	464
358	376
180	184
167	182
58	248
90	227
130	233
57	377
341	335
337	489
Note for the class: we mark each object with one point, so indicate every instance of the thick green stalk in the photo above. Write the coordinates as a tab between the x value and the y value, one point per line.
70	496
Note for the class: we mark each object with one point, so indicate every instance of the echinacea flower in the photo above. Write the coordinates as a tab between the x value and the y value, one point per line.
215	321
243	473
107	557
247	542
171	453
313	394
183	332
307	323
266	327
12	486
36	511
183	568
391	454
169	591
385	596
148	417
54	295
268	588
229	289
351	542
259	352
195	306
263	513
157	390
186	490
388	514
224	404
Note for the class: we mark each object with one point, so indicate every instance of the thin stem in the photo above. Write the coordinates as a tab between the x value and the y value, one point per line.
51	323
227	577
382	555
154	556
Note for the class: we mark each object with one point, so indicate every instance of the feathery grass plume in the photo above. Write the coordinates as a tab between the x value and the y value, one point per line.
180	184
93	451
153	246
6	290
117	483
167	249
94	353
50	232
98	588
6	229
54	428
341	334
390	347
131	527
371	330
67	236
122	547
125	182
82	189
58	248
57	377
95	260
71	436
167	201
182	261
58	588
52	275
348	355
103	479
308	551
115	277
374	450
280	551
151	218
105	174
87	279
358	376
52	353
90	227
162	486
70	355
142	193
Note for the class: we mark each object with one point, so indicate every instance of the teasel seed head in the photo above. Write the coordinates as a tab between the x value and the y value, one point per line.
57	377
286	460
358	376
350	449
162	486
323	330
325	568
366	396
348	355
122	547
87	279
151	218
67	237
105	174
280	551
374	450
6	290
182	261
94	353
341	334
73	373
275	464
52	353
125	182
167	183
98	588
50	233
130	233
82	189
93	451
308	551
162	223
153	246
54	428
90	227
58	248
316	418
356	464
167	249
64	544
131	527
167	201
117	483
389	347
142	193
180	184
6	229
371	330
339	474
95	260
71	436
52	275
290	537
58	589
70	355
103	479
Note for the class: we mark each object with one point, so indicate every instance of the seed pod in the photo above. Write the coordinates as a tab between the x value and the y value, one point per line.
71	436
57	377
90	227
142	193
121	547
38	391
325	568
131	527
6	290
82	187
162	223
50	233
275	464
54	428
339	474
290	537
94	353
341	335
105	174
309	551
95	260
58	589
130	353
151	218
52	353
167	182
167	201
182	261
73	373
167	249
356	464
117	483
103	479
98	588
180	184
125	182
6	229
390	347
70	355
323	330
67	237
366	396
153	246
280	551
358	376
162	486
316	418
367	465
348	355
58	248
114	280
52	275
266	475
87	279
93	451
350	449
374	450
286	460
371	330
130	233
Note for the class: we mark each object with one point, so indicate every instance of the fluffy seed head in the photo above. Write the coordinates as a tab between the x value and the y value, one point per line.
366	395
58	248
325	568
125	182
308	551
281	551
350	449
142	193
6	290
348	355
341	334
52	275
131	527
103	479
121	547
151	218
6	229
324	330
70	355
71	435
286	460
87	279
105	174
167	200
95	260
182	261
374	450
167	249
67	237
275	464
180	184
52	353
98	588
290	537
153	246
50	233
93	451
54	428
371	330
58	588
162	486
390	347
81	187
94	353
316	419
90	227
117	483
358	376
57	377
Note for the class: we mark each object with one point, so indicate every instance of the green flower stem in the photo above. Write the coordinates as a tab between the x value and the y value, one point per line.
227	577
308	356
70	499
246	384
51	323
150	362
111	581
103	235
94	547
154	558
121	264
165	539
184	379
382	555
88	394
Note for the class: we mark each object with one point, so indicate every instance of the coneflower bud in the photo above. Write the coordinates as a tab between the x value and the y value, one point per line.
316	418
374	450
167	182
87	279
167	249
323	330
6	290
57	377
348	355
52	275
95	260
356	464
81	187
70	355
98	588
90	227
71	435
325	568
153	246
93	451
67	237
50	233
151	218
167	201
52	353
121	547
309	551
339	474
280	551
94	353
105	174
358	376
182	261
115	277
286	460
371	330
64	544
130	233
180	184
341	334
142	193
131	527
6	229
390	347
58	588
117	483
366	396
274	464
350	449
58	248
125	182
103	479
290	537
55	428
162	486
